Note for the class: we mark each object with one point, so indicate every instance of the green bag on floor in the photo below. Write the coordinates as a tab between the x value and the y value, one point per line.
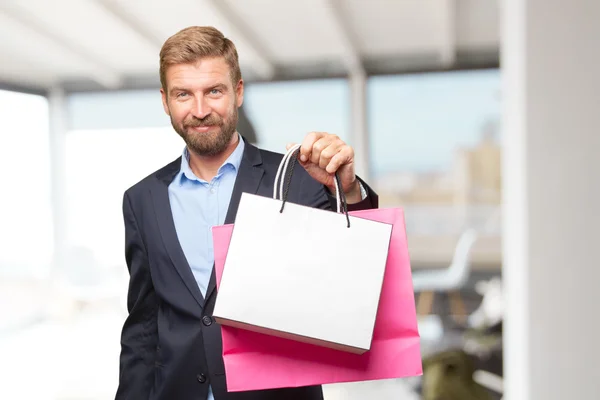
449	376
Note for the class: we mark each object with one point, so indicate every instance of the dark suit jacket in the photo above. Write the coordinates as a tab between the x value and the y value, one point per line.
171	345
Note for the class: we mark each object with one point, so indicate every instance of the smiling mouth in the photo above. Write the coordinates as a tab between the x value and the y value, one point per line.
204	128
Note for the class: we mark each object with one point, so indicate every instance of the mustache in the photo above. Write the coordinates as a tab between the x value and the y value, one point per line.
209	120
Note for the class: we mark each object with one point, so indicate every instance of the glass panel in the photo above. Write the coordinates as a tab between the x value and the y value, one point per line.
25	204
435	151
435	147
284	112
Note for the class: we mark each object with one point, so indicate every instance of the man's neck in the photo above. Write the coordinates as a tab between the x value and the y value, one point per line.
207	167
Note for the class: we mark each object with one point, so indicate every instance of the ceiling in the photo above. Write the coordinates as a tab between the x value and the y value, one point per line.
114	44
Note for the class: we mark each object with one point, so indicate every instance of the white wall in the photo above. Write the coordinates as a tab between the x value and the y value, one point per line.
551	89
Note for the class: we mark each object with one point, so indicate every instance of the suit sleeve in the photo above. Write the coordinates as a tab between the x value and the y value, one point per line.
139	337
324	200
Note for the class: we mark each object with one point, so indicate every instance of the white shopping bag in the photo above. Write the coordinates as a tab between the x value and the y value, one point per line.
306	274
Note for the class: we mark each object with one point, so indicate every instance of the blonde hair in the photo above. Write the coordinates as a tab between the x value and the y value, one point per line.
193	43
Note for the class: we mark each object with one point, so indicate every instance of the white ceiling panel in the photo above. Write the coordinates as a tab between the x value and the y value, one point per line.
20	72
30	53
292	31
167	17
478	25
398	27
87	27
115	43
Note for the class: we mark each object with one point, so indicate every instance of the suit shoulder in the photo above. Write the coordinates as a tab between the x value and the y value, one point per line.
143	184
270	157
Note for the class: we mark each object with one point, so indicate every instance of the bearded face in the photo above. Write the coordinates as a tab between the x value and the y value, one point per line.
202	103
208	136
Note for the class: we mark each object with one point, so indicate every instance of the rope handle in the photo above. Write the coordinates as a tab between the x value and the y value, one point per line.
283	179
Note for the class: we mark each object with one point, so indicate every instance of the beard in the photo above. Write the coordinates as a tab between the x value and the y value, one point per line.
212	142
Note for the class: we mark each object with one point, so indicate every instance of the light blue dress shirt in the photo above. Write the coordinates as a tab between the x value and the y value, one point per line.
197	206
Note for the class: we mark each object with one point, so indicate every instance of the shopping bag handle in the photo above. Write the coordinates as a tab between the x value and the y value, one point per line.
283	178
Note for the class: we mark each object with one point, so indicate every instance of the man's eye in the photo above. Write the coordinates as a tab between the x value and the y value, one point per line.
215	91
181	95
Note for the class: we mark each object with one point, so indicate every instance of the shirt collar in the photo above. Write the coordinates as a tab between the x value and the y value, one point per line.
233	161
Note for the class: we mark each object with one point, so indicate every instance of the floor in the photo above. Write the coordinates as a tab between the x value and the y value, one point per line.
380	390
74	356
76	359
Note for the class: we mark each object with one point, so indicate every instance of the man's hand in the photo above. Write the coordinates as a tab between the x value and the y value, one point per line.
322	155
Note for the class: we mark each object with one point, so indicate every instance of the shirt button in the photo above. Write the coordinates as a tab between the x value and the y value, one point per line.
201	378
207	321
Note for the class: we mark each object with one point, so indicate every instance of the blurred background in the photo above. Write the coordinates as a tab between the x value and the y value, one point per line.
441	127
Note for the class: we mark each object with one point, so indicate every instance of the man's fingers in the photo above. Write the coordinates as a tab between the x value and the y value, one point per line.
329	152
307	145
331	142
340	158
317	149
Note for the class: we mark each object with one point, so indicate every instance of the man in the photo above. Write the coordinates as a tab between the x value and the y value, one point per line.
171	345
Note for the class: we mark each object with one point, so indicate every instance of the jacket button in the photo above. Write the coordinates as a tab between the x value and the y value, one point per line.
206	320
201	378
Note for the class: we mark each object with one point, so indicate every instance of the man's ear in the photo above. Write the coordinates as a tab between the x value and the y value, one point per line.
239	91
163	95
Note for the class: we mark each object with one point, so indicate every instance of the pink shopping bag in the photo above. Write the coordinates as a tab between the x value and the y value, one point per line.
255	361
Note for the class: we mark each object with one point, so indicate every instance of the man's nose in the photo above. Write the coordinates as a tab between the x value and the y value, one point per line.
201	109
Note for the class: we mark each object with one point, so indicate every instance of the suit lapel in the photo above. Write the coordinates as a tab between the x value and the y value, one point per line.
248	180
164	216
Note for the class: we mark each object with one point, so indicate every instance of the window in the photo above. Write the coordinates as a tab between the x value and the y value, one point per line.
284	112
25	203
435	151
418	122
